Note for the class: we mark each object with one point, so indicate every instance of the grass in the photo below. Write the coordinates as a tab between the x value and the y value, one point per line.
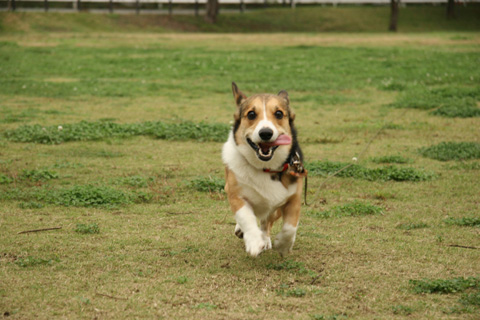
354	209
446	151
166	247
387	173
391	159
445	286
464	221
91	228
101	130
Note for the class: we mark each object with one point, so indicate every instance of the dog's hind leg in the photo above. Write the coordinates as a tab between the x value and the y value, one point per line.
266	227
291	215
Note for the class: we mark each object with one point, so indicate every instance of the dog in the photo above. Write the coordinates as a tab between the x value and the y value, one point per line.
264	171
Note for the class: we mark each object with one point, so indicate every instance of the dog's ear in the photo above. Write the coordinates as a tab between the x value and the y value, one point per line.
284	94
237	94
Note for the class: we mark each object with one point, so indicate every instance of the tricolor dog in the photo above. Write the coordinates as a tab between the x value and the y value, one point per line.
264	172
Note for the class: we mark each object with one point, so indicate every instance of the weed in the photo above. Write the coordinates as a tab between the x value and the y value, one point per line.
296	292
33	261
412	226
465	166
449	102
354	209
135	181
403	310
39	174
471	299
4	179
207	184
455	111
388	173
463	222
101	130
182	280
206	305
446	151
94	196
91	228
444	286
31	205
392	159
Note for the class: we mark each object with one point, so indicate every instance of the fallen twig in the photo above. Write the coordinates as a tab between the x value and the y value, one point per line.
39	230
109	296
460	246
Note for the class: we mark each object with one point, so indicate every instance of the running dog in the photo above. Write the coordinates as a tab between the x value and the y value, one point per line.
264	171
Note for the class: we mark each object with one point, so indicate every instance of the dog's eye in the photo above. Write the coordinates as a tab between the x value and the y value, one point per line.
279	114
251	115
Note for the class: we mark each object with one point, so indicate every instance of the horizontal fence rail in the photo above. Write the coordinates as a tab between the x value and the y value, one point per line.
187	6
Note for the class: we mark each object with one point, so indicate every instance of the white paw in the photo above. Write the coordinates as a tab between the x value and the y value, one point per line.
268	241
283	247
254	243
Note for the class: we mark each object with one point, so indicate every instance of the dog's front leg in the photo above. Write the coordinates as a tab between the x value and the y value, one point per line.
246	227
252	235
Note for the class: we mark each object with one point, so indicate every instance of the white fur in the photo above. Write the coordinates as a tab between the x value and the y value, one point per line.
264	195
264	123
253	237
285	239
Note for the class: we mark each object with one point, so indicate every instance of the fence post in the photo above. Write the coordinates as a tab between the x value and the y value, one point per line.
110	6
137	6
79	5
265	4
170	9
196	8
242	6
45	5
13	5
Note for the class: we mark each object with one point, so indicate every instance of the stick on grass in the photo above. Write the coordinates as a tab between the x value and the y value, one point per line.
39	230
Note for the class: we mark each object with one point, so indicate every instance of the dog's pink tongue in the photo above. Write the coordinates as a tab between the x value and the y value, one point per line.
281	140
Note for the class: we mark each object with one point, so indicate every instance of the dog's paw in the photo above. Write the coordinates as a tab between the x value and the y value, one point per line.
268	241
254	243
283	248
238	231
283	245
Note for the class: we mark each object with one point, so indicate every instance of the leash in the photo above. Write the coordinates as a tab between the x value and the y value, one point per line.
354	159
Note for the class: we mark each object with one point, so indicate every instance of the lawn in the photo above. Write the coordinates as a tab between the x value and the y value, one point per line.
115	139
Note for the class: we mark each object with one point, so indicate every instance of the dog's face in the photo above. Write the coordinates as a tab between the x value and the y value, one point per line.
263	129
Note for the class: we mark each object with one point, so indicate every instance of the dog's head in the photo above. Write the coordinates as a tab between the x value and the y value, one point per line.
263	128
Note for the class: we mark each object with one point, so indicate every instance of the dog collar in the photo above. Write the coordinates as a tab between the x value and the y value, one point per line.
285	168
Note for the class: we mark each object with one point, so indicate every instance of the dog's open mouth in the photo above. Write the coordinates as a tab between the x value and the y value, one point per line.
265	150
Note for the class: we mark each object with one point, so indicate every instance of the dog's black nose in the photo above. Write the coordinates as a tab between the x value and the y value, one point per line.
265	133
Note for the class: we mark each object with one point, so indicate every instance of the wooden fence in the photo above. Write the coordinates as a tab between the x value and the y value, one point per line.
161	5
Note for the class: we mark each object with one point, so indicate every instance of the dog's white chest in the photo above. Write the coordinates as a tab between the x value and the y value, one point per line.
265	195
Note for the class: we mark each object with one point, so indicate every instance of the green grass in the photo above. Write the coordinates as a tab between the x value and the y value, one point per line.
354	209
392	159
166	247
412	226
101	130
90	228
39	174
386	173
445	286
464	221
207	184
446	151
